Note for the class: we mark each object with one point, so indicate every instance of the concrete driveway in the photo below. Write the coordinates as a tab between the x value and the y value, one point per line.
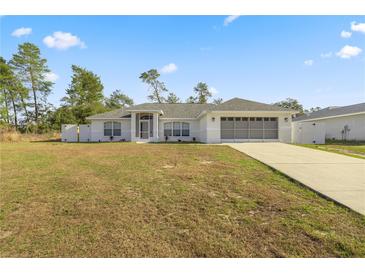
339	177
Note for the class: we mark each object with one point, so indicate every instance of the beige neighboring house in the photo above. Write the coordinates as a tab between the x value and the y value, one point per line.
236	120
332	123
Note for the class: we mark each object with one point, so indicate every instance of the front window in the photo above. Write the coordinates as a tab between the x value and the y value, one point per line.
168	129
108	128
185	129
177	129
117	129
112	129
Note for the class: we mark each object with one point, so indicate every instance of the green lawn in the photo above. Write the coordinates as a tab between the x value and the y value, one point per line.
156	200
354	149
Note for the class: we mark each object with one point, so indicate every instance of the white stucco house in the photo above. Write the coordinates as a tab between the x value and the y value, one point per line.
332	123
236	120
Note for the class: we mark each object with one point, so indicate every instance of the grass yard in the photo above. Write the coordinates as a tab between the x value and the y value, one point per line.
354	149
157	200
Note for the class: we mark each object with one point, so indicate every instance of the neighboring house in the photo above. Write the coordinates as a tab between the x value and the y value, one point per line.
332	123
236	120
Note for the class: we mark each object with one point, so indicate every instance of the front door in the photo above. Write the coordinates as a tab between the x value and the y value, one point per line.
144	129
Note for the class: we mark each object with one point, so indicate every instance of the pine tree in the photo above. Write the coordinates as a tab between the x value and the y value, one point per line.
85	94
202	93
31	69
156	87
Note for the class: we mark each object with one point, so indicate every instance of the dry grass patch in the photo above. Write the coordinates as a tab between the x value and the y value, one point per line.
183	200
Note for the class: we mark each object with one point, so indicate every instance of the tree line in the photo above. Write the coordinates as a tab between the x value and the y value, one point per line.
25	89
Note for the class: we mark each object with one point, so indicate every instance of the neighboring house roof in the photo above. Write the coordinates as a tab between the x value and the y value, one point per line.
332	112
190	111
237	104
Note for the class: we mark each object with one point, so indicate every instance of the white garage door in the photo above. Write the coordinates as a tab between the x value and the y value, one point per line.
245	128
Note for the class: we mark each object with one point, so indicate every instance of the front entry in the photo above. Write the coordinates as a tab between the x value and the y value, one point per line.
144	129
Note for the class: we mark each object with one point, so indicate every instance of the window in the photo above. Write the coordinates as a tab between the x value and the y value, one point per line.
117	129
223	118
108	128
185	129
177	129
258	119
167	129
112	129
238	118
273	119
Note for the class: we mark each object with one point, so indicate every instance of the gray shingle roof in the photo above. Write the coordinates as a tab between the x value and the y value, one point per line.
181	110
332	111
114	114
184	110
237	104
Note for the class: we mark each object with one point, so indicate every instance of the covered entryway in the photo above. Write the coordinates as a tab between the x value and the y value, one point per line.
249	128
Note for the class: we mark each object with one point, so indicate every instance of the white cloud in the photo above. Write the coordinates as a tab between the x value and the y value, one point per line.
349	51
308	62
345	34
21	32
230	19
63	40
326	55
213	90
51	76
358	27
169	68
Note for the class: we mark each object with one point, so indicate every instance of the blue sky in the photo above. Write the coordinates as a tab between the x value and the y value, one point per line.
261	58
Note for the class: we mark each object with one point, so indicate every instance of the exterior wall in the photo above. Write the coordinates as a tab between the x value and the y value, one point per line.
203	129
213	126
133	127
97	131
206	129
156	126
285	128
308	132
335	125
194	126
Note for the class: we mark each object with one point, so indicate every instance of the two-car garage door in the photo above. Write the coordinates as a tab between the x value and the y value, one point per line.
244	128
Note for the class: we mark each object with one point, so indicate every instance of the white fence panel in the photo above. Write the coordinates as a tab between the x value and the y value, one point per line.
308	133
84	133
69	133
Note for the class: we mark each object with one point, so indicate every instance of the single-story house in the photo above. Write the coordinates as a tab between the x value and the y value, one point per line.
236	120
332	123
